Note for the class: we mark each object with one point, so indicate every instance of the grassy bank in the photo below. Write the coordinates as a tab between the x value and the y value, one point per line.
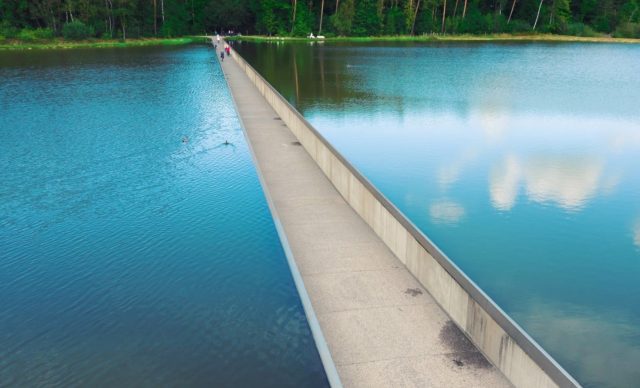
96	43
453	38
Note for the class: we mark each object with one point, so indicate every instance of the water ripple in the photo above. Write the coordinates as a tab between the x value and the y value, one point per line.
127	257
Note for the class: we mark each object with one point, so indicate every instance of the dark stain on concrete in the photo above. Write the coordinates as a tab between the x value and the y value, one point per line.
296	143
452	337
463	352
277	118
413	291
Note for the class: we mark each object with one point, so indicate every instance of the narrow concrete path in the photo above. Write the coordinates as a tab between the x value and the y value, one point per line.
382	328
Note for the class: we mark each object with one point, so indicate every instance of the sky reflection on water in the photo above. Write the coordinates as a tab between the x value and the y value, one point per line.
520	161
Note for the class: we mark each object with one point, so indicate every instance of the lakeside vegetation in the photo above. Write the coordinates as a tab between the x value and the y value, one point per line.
97	43
56	23
100	43
444	38
60	43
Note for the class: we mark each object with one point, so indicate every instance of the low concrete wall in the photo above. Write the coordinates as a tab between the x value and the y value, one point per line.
498	337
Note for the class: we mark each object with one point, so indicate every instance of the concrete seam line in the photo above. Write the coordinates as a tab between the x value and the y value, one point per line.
537	354
314	325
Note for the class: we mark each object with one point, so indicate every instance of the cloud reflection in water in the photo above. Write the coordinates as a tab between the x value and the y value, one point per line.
566	181
446	212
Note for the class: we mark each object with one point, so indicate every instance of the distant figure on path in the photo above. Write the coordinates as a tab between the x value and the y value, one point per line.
218	37
222	56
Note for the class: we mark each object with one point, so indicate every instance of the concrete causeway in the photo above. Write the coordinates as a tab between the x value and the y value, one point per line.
382	328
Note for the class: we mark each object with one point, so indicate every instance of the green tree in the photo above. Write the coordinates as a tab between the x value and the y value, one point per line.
77	30
122	12
226	15
26	19
560	15
409	12
365	19
272	17
342	20
395	22
630	11
605	19
303	21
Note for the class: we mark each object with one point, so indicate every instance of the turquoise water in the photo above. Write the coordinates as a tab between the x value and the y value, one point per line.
127	256
520	161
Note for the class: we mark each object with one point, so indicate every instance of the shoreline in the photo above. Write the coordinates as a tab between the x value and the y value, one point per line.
64	44
551	38
448	38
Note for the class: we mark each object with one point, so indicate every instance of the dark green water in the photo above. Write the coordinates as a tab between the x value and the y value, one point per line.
129	257
520	161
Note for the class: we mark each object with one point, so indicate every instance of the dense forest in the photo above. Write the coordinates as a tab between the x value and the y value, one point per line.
109	19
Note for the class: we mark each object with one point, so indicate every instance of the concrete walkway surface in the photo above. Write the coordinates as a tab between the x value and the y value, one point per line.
382	328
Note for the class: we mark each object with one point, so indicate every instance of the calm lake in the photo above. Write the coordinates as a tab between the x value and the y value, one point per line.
520	161
136	248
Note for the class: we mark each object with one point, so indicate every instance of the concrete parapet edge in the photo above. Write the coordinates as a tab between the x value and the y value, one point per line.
518	356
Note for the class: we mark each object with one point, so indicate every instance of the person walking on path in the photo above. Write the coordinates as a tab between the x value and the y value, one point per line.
221	56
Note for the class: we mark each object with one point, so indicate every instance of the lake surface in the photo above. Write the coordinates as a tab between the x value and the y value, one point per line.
129	257
520	161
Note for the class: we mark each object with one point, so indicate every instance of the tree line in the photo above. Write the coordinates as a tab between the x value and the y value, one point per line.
110	19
